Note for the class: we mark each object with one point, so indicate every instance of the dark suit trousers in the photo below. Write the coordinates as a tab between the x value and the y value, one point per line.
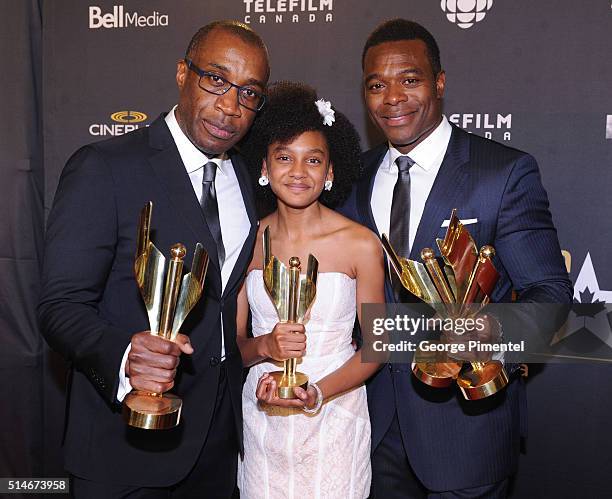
213	475
394	478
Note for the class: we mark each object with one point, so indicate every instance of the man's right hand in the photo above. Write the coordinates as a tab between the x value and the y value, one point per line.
152	361
286	341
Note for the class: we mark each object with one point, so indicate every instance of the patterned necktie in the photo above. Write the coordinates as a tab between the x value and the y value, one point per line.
399	233
211	209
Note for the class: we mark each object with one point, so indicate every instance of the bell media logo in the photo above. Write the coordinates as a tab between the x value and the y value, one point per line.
118	18
465	13
288	11
124	122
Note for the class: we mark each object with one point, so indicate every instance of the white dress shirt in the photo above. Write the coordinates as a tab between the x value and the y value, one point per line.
427	157
233	217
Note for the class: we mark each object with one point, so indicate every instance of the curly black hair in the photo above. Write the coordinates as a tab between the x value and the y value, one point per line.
289	111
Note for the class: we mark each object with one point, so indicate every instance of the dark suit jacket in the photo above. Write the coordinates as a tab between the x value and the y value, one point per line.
451	443
91	305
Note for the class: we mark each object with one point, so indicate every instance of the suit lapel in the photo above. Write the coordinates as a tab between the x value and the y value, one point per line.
371	160
246	188
445	192
172	175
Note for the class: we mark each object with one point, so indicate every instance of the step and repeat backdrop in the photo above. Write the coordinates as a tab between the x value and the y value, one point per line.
534	75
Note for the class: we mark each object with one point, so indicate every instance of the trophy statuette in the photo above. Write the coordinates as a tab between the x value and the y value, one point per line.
292	296
475	277
433	368
168	297
468	278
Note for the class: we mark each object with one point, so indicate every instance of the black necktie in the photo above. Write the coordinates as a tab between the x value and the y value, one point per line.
399	233
210	207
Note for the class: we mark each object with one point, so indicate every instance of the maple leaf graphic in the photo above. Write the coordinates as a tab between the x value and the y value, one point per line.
586	307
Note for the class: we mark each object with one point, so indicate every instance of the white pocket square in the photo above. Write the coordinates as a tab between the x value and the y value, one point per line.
466	221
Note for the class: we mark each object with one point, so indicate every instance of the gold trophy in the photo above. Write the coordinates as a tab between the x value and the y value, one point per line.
468	277
433	368
292	296
168	297
475	277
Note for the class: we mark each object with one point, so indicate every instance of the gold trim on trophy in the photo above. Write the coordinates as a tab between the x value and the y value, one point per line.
168	298
431	264
459	252
292	296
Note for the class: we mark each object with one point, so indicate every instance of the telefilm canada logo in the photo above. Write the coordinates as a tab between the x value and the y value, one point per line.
122	122
465	13
119	18
288	11
494	126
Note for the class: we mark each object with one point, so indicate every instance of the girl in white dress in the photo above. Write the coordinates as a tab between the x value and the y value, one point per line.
318	445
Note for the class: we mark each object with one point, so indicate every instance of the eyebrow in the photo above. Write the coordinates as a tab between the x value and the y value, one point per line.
225	69
282	148
373	76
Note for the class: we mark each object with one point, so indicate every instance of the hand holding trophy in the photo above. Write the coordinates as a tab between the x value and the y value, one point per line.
461	290
168	298
292	296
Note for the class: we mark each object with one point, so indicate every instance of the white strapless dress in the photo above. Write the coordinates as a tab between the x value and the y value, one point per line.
289	454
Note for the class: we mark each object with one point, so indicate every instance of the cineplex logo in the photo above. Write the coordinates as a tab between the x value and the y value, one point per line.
293	11
491	126
465	13
118	18
124	122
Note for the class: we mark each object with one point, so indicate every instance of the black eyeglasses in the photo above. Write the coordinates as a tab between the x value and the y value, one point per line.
216	84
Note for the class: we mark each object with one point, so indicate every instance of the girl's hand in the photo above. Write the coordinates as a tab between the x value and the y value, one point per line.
266	393
286	341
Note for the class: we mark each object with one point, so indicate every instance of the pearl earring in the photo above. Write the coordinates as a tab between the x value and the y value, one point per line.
263	180
328	185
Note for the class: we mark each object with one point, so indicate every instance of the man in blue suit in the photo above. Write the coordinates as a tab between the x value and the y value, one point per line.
430	442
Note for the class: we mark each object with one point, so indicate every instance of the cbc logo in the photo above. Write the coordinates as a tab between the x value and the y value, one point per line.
465	13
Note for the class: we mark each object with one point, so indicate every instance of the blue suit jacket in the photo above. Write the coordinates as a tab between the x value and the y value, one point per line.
452	443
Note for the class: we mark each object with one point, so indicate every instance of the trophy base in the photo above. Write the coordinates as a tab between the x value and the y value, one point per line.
286	384
150	412
477	384
435	368
436	375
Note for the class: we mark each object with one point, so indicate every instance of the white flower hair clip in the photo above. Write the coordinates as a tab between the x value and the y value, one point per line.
325	110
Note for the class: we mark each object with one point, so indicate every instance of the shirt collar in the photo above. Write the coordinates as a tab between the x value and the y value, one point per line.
192	157
427	154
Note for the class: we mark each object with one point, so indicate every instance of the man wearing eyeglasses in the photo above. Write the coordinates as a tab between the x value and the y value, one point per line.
91	311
